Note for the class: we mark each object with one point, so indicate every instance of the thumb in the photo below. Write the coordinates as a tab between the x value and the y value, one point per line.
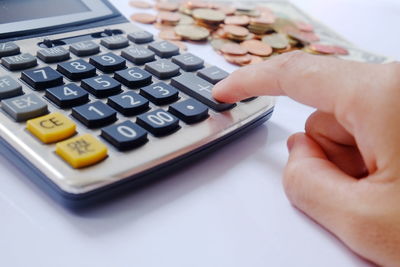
317	186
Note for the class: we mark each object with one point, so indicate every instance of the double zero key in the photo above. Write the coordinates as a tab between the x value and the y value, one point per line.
158	122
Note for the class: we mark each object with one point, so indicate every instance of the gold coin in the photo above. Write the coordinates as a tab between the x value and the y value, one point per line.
322	49
192	32
257	48
167	6
144	18
234	30
256	60
169	17
140	4
276	40
209	15
233	49
185	19
303	26
238	60
169	34
237	20
217	43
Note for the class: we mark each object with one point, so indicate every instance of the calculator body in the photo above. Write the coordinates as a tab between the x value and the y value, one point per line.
120	171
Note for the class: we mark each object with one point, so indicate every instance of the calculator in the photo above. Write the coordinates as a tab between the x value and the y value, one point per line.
93	106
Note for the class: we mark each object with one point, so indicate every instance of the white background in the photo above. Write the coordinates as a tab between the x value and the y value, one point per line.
229	209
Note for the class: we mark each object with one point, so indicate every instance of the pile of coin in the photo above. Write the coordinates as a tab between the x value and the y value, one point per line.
241	35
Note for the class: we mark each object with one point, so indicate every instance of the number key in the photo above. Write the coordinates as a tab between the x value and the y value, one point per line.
77	69
129	103
158	122
94	115
42	78
101	86
108	62
160	93
66	96
134	77
125	136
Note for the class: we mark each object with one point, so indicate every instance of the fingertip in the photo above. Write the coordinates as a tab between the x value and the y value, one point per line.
224	91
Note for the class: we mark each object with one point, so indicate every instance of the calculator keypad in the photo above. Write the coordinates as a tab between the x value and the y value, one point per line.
108	63
146	81
67	96
163	68
19	62
9	49
115	42
95	114
125	136
53	54
9	87
101	86
24	107
160	93
76	69
190	111
42	78
129	103
133	77
158	122
85	48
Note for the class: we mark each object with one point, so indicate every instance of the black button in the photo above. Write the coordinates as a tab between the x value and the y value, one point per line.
66	96
9	49
212	74
140	37
160	93
189	110
19	62
108	62
158	122
163	68
115	42
77	69
42	78
199	89
133	78
101	86
188	62
125	136
94	115
138	54
164	49
129	103
53	54
85	48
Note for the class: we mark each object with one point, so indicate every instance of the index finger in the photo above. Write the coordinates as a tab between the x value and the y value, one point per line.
321	82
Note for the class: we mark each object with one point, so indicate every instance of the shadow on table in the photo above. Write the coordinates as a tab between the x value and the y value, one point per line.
136	204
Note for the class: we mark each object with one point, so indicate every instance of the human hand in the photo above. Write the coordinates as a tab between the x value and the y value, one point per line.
344	171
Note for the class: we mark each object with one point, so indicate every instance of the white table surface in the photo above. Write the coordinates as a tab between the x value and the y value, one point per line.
229	209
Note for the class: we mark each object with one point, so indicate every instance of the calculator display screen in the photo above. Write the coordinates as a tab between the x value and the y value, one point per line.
19	17
20	10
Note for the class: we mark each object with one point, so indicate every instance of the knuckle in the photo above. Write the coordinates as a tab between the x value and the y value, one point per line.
292	60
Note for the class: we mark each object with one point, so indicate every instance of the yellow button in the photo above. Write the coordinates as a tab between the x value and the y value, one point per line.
51	128
82	151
